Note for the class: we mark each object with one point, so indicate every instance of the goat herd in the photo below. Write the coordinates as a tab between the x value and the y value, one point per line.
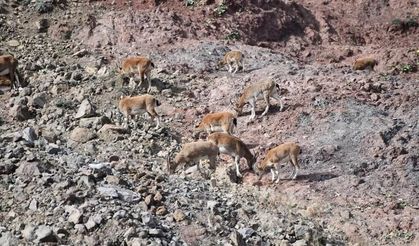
219	125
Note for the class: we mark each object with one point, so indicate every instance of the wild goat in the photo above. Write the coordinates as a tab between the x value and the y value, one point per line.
136	105
214	122
284	152
365	62
230	58
195	151
8	66
141	64
251	93
233	147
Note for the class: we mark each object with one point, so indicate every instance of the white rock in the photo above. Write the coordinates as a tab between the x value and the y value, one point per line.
86	109
33	205
29	232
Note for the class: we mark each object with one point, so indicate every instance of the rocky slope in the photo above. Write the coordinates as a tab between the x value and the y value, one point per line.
71	175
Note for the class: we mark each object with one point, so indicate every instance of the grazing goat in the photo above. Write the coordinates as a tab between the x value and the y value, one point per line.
284	152
234	147
132	106
266	88
195	151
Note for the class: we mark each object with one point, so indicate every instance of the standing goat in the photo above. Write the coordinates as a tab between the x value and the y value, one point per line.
232	58
219	121
133	106
139	64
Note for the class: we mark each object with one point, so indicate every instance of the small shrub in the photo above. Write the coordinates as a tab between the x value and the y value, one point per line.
405	68
405	235
397	22
404	24
234	35
190	2
221	9
411	23
44	6
408	68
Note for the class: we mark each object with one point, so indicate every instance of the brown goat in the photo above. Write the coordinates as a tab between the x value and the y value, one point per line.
136	105
139	64
365	62
283	152
8	66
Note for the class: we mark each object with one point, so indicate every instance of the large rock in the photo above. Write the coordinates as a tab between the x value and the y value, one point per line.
7	239
86	109
237	239
20	112
45	234
13	43
90	224
75	216
50	134
301	242
53	149
94	122
148	219
33	205
137	241
29	232
179	215
119	193
28	169
246	232
38	100
110	132
82	135
29	135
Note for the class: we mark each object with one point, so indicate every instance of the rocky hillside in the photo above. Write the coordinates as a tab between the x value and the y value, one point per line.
71	174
